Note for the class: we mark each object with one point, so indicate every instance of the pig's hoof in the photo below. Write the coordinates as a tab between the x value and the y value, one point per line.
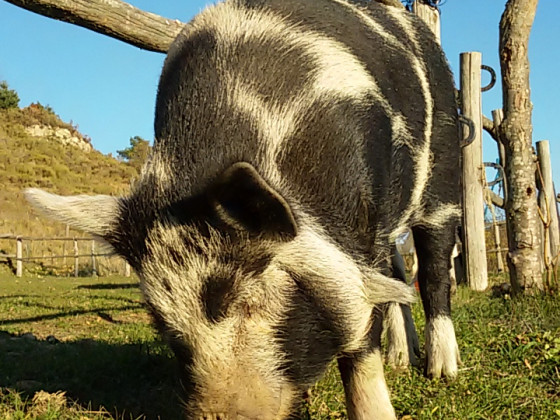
402	341
442	352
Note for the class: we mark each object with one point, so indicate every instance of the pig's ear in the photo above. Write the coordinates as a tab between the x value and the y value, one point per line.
94	214
243	199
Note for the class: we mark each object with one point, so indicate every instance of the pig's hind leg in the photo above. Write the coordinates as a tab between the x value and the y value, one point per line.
434	246
403	347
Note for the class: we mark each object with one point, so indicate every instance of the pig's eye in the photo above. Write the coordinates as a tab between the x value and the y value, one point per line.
217	295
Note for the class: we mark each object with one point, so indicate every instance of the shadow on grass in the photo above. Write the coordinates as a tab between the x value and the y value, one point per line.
109	286
66	313
7	297
130	381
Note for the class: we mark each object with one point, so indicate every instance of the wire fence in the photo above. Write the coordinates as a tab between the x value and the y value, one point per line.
86	257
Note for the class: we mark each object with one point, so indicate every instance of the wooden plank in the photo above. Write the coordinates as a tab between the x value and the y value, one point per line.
19	256
93	262
547	203
497	239
55	238
498	117
494	250
64	256
473	174
76	259
430	16
114	18
8	236
67	233
46	238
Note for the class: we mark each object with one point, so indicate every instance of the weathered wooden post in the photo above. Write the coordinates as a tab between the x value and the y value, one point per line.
498	242
547	202
430	16
126	269
497	239
66	235
76	258
498	117
19	256
473	174
93	262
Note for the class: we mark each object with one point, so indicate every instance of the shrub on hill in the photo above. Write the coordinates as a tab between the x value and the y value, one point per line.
38	114
137	153
8	97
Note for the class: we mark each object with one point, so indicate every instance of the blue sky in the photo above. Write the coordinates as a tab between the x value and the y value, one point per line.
108	88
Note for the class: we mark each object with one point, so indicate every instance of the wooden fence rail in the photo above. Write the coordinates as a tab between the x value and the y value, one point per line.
20	259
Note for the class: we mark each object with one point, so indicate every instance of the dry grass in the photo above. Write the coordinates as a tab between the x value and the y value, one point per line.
33	162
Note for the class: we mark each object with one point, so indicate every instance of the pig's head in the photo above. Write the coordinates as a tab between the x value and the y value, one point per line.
253	298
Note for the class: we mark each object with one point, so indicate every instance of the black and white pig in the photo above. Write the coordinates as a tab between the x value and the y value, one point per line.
294	139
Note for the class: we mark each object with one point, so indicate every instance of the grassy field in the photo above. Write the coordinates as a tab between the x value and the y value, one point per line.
85	349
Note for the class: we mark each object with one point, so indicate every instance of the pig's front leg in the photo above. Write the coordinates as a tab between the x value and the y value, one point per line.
367	395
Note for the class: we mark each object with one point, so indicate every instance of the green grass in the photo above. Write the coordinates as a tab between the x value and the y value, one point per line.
94	342
511	363
110	363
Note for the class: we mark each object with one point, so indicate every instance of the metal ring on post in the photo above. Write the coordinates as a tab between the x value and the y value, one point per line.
492	75
470	125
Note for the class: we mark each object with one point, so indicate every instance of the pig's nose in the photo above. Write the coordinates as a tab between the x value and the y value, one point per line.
213	416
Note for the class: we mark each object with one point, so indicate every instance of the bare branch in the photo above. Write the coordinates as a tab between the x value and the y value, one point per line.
122	21
495	198
490	128
114	18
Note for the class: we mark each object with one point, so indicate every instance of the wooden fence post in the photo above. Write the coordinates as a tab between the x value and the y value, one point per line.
67	234
498	242
76	258
473	174
19	256
430	16
498	117
497	239
547	202
93	262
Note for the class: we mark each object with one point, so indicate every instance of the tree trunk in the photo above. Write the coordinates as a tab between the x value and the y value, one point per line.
114	18
522	217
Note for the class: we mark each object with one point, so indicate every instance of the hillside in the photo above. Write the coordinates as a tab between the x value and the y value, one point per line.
37	149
